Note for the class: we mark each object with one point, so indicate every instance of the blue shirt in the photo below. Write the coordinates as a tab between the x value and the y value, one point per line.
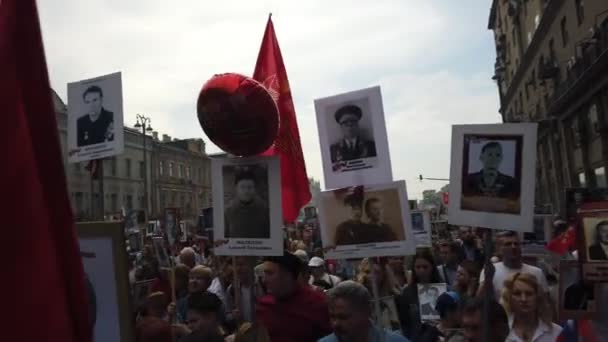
375	335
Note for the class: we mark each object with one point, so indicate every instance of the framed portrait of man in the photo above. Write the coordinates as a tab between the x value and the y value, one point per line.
95	118
427	297
104	257
492	176
172	228
354	144
577	297
366	221
595	237
421	226
247	203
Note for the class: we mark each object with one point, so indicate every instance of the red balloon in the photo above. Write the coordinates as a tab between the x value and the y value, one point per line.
238	114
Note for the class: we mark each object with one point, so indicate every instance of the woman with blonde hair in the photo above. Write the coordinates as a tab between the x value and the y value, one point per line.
528	309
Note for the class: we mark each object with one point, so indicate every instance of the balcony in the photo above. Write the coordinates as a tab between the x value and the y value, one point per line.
590	60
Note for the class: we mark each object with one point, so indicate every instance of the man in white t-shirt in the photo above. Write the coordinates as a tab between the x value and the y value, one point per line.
319	276
511	263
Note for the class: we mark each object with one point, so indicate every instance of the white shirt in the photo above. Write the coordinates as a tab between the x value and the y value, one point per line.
217	289
328	278
503	273
543	333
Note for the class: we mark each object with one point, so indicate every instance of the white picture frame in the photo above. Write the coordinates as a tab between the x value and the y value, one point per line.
102	137
428	295
509	152
345	237
421	226
232	223
356	161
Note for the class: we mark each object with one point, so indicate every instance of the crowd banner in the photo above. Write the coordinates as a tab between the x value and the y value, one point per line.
492	176
353	140
104	256
95	118
247	206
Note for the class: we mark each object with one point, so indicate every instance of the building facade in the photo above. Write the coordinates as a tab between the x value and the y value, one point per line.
178	176
552	68
182	176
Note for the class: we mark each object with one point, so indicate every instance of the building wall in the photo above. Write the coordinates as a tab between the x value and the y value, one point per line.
550	71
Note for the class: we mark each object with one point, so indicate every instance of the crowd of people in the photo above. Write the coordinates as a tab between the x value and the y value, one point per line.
302	296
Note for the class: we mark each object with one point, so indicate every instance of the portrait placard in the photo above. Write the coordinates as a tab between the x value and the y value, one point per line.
104	256
368	221
577	299
247	196
172	228
421	226
352	134
594	229
161	252
95	118
427	297
492	176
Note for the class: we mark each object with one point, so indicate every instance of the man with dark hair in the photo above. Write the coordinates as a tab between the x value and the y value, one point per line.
599	250
377	230
472	320
350	313
97	125
291	312
352	145
470	248
488	181
450	254
248	215
352	231
204	318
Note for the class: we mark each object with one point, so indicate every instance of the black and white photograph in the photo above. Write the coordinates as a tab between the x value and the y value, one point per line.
353	139
577	297
368	221
248	194
172	228
95	118
595	230
421	226
492	176
427	297
151	228
183	229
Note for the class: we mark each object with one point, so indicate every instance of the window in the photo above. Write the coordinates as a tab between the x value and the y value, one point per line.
600	177
200	174
188	172
564	29
79	201
160	168
581	180
594	124
181	171
76	167
170	169
129	202
580	11
128	168
114	202
142	170
113	166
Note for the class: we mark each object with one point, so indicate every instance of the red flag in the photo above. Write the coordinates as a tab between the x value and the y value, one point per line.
43	273
563	242
270	71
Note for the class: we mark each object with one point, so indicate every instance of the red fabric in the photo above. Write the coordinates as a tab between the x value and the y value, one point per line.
161	285
303	317
563	242
270	71
43	272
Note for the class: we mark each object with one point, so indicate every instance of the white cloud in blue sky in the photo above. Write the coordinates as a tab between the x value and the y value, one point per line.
433	60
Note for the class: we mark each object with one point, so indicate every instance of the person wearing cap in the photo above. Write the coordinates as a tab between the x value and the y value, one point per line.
291	312
320	277
352	146
352	231
350	312
447	306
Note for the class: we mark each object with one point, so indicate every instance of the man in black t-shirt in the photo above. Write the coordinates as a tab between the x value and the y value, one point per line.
97	125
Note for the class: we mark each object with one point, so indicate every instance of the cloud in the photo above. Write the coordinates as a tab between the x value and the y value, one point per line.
418	51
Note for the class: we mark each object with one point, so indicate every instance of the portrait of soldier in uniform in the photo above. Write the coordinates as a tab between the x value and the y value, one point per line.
352	145
378	231
599	249
97	124
353	230
489	181
247	214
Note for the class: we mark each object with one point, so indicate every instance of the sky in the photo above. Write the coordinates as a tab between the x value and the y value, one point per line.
433	60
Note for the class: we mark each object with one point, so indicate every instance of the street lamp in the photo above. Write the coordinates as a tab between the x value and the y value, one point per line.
143	122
